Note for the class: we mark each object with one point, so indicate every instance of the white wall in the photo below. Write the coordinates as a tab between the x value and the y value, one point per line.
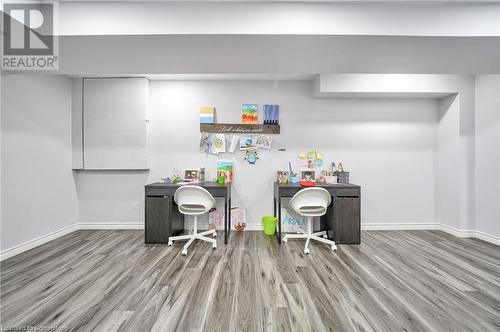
488	154
38	188
454	179
387	145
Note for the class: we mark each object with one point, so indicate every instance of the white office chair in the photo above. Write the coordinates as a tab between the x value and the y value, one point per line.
311	202
194	201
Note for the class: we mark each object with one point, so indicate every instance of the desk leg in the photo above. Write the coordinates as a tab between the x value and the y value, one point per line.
279	220
225	222
229	219
274	207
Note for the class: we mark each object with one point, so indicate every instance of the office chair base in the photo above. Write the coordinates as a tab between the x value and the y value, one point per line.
191	237
318	236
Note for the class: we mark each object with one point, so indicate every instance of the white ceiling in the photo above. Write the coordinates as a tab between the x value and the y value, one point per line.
274	18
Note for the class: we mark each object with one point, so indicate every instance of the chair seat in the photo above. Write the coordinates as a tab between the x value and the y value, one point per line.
314	210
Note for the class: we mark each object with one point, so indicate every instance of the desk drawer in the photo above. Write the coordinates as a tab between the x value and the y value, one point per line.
157	192
347	192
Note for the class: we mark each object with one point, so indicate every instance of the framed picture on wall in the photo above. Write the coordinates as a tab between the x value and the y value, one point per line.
309	175
191	174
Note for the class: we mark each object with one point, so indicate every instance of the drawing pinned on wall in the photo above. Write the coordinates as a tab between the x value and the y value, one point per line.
246	142
251	155
205	143
310	159
263	141
225	169
219	143
207	114
249	113
234	143
271	114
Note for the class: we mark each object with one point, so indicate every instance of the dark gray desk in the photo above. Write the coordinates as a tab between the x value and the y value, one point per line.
162	216
342	219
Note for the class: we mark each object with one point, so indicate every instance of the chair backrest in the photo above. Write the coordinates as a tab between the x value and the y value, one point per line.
311	202
193	200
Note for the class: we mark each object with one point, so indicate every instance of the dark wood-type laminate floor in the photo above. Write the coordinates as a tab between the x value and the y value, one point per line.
393	281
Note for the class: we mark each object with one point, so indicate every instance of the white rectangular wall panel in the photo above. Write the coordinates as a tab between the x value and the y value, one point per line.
115	123
77	123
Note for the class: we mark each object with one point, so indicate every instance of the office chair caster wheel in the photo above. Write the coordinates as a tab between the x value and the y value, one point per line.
306	251
325	236
214	245
284	240
184	252
334	248
169	243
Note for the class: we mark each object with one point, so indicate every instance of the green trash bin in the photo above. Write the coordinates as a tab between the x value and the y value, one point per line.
269	225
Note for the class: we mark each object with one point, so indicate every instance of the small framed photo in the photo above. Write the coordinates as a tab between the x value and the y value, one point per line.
308	175
191	174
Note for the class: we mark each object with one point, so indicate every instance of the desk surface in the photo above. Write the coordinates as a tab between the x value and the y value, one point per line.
321	185
205	184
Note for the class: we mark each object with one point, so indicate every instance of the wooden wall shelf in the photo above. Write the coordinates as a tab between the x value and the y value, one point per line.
239	128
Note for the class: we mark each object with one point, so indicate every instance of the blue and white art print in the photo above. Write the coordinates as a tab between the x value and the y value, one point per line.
271	114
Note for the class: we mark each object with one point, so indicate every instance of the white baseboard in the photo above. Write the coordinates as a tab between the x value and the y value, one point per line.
253	227
250	227
114	225
7	253
397	226
432	226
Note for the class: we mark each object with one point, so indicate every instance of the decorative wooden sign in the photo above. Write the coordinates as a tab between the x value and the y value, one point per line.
238	128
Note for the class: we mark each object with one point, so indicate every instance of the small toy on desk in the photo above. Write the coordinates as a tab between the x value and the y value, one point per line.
282	177
176	179
343	176
329	177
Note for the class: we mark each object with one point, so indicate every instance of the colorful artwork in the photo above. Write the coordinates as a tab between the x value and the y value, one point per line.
251	155
246	142
216	218
263	141
219	143
207	114
249	113
271	114
225	169
311	159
